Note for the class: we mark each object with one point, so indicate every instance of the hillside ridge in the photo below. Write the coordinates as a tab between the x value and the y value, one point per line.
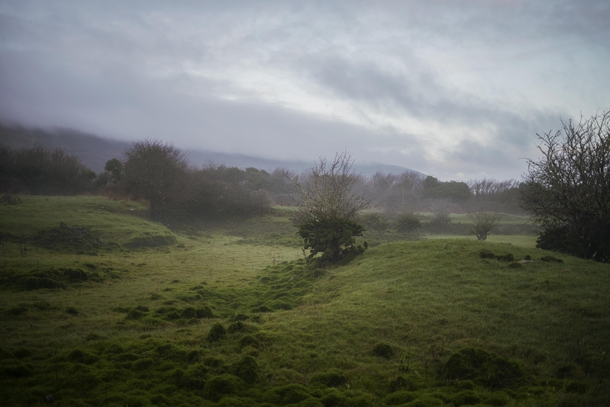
94	150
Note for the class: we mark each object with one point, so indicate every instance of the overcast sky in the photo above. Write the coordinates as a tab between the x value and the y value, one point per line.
455	89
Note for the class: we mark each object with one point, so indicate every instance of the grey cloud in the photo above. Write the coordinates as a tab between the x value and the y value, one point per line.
120	69
422	96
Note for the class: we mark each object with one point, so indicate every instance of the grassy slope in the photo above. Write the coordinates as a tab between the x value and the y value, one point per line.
426	299
114	221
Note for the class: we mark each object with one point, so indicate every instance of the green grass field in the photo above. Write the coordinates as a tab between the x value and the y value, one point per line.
232	316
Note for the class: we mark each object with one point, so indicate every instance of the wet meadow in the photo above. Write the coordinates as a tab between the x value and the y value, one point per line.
101	307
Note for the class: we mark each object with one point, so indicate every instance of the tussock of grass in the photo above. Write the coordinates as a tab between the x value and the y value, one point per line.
418	323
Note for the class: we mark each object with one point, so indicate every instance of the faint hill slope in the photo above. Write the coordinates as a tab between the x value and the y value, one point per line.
94	151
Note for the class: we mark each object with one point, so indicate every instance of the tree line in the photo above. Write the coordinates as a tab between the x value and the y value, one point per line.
567	190
162	175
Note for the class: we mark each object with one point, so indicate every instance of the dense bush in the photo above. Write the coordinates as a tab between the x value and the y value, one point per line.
178	193
157	172
333	239
568	189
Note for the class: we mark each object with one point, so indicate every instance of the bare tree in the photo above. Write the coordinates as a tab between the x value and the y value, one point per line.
328	207
483	223
568	189
326	192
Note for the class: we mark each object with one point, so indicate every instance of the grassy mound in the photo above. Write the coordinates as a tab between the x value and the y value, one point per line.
67	238
104	224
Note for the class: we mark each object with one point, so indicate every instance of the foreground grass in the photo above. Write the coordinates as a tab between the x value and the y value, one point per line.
143	329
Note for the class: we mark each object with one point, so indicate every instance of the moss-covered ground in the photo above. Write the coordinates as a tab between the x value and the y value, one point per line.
232	316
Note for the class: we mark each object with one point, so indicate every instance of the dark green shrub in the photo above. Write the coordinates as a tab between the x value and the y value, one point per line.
217	333
333	238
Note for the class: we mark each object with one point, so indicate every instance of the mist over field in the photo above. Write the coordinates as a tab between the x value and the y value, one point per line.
453	90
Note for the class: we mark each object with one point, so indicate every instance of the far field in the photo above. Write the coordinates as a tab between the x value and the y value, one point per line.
120	311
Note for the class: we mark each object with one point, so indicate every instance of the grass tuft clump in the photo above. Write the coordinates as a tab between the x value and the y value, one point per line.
220	386
486	254
217	333
331	378
551	259
484	368
247	369
383	350
135	314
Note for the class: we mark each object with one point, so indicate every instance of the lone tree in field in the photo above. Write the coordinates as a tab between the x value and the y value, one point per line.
157	172
483	223
327	210
568	189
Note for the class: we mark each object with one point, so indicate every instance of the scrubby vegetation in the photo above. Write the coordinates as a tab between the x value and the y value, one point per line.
568	189
235	316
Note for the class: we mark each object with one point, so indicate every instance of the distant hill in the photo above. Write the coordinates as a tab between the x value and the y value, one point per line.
94	151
